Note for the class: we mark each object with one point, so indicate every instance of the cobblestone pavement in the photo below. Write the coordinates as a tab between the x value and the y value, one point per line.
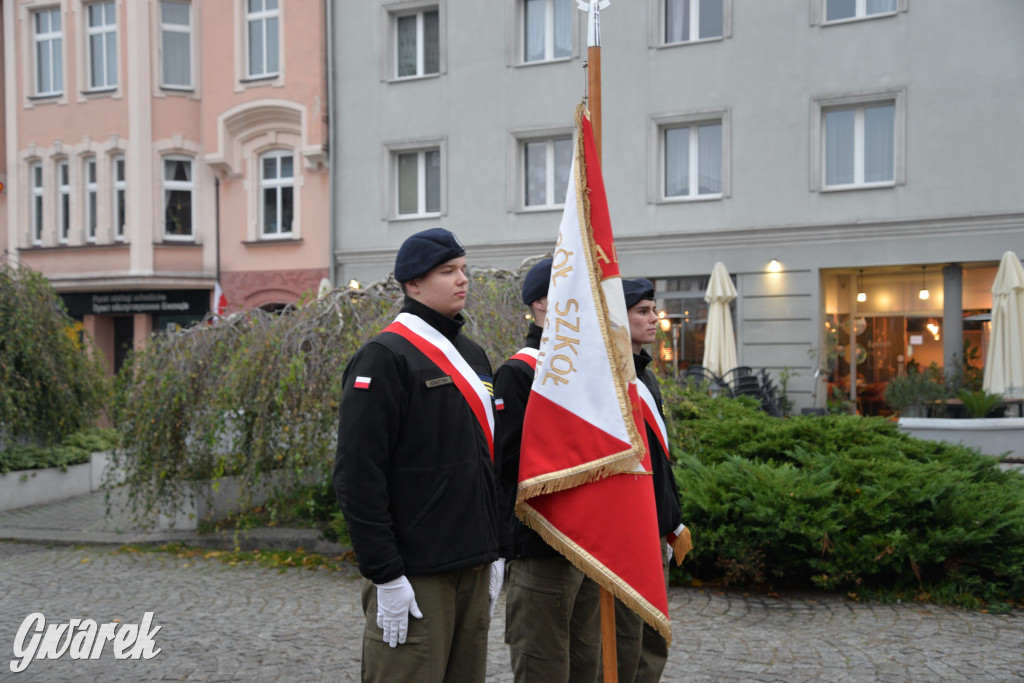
246	623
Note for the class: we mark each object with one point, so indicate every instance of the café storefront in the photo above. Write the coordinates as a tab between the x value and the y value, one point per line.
880	322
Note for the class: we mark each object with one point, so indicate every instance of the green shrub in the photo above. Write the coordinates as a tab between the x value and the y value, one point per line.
73	450
844	503
50	384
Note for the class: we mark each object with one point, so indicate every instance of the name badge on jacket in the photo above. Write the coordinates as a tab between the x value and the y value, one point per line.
439	382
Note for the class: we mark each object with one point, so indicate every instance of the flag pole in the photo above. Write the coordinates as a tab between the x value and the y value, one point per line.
609	660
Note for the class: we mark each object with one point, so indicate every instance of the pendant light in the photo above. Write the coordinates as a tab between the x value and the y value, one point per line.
923	294
861	295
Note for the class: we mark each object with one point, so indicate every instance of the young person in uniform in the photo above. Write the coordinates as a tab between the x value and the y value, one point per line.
414	476
641	650
552	614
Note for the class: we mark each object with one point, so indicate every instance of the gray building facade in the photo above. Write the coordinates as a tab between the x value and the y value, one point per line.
839	156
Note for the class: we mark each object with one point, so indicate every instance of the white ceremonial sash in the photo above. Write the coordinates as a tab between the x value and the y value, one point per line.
443	353
652	416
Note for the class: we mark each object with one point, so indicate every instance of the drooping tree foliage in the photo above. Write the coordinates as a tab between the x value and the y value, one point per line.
51	384
255	395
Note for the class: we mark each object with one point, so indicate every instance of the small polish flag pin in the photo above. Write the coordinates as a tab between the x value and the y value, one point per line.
362	383
499	404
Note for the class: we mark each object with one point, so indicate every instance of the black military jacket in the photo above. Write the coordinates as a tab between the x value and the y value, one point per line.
413	472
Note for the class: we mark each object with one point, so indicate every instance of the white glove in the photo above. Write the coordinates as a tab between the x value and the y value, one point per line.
395	602
494	586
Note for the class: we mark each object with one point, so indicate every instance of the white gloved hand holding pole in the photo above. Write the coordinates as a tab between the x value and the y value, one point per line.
395	602
494	586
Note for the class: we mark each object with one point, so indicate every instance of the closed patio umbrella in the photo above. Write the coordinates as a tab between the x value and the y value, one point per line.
1004	366
719	338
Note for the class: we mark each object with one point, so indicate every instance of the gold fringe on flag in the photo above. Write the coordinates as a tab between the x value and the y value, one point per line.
587	564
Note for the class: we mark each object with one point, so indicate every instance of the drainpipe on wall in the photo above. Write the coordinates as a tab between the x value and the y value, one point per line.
216	222
331	169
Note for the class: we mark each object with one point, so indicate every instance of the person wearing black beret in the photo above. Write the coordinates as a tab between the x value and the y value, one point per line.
552	610
414	477
641	651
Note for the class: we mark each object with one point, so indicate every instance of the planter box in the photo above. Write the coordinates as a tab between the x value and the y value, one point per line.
992	436
211	503
37	487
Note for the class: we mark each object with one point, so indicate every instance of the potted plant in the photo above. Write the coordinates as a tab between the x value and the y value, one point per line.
981	403
912	394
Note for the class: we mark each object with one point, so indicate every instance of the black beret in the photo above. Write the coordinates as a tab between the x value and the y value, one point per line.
637	290
535	284
424	251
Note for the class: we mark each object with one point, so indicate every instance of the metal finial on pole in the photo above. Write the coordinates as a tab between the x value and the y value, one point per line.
593	9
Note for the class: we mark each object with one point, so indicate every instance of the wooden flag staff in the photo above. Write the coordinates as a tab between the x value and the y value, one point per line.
609	661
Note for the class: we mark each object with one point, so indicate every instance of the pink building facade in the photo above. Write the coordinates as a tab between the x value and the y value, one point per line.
156	147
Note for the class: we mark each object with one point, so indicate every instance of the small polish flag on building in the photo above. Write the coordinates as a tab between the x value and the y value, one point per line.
220	302
362	382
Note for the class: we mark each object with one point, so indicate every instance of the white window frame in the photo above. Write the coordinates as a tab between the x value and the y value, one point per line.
555	194
54	43
819	13
36	206
178	185
177	28
656	154
820	106
279	184
262	17
518	48
63	200
391	181
120	189
658	9
91	198
392	13
108	32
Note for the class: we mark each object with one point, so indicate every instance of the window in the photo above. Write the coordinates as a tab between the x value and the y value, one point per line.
63	201
546	29
842	10
417	42
692	160
859	145
261	18
48	52
35	171
176	45
692	20
857	141
102	45
418	182
119	196
546	165
277	188
179	186
90	199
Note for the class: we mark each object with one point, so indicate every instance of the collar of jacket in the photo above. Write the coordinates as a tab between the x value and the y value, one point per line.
449	327
533	336
641	360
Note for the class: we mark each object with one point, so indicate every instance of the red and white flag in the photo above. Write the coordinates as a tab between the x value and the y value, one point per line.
220	302
584	471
